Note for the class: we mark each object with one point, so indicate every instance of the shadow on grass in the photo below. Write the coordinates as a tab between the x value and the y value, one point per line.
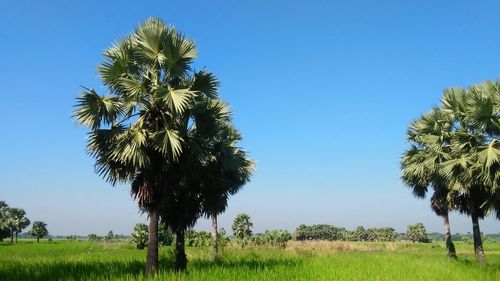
69	270
472	263
245	263
111	269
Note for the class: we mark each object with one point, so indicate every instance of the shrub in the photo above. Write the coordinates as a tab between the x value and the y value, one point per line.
198	238
381	234
165	236
140	236
277	238
417	233
319	232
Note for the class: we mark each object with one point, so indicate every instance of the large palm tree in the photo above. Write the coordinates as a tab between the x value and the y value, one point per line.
474	158
429	139
210	168
135	128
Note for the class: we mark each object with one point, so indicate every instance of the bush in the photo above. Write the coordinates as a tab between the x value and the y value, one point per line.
417	233
165	236
277	238
319	232
381	234
140	236
197	238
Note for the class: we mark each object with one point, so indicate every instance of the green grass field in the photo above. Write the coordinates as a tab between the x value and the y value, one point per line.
80	260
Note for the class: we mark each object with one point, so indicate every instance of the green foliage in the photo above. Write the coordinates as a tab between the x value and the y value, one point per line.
197	238
140	235
165	236
381	234
417	233
273	238
319	232
359	234
242	226
331	233
222	239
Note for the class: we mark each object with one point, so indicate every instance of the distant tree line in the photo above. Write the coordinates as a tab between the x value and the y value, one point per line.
332	233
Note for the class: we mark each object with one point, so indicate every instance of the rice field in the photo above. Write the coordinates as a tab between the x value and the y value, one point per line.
82	260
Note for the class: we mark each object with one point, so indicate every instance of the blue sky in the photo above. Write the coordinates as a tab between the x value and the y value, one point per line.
322	91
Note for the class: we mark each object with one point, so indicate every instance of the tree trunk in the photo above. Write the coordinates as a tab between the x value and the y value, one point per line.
450	247
37	239
16	236
152	258
215	246
478	243
180	251
12	236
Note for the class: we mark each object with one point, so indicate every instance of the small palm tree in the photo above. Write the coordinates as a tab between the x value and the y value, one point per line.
140	235
242	226
39	230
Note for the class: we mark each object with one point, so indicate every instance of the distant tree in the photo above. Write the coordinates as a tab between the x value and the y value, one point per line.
94	237
39	230
359	234
71	237
140	235
417	233
242	226
110	236
16	222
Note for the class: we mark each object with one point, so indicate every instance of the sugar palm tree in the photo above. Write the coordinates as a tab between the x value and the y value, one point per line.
16	222
208	148
225	173
135	129
429	138
39	230
474	158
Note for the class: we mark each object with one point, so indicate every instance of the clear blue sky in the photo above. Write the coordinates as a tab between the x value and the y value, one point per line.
322	91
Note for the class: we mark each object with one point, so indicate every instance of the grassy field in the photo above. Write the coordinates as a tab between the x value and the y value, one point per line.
80	260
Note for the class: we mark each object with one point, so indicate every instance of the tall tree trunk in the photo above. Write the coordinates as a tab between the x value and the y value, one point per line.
450	247
180	251
37	239
16	236
152	258
12	236
215	246
478	243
